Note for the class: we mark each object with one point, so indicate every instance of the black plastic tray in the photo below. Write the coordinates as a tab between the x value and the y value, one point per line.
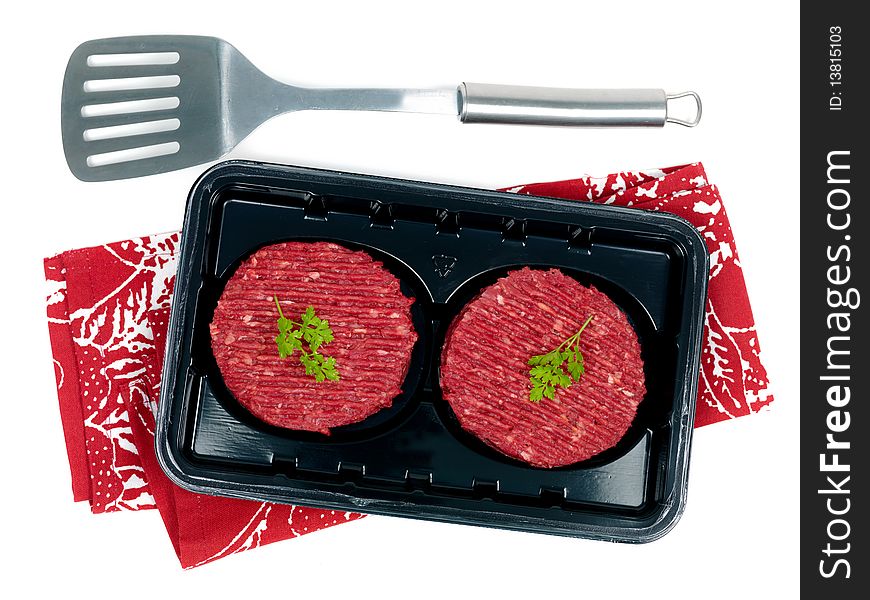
444	243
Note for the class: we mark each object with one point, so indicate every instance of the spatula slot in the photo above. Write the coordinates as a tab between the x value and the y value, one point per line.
131	106
104	133
131	83
133	59
120	156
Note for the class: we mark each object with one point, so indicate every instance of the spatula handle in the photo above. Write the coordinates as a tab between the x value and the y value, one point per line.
489	103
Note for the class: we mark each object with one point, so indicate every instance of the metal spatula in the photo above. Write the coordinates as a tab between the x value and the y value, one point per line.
136	106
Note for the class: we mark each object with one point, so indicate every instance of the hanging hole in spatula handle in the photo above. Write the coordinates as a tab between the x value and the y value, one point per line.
684	122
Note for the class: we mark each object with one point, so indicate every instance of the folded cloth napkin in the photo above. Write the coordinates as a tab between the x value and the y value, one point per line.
108	312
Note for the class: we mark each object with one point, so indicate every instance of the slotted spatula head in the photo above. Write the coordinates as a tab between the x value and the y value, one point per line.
134	106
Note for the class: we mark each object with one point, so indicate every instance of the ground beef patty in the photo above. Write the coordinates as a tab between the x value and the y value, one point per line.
485	371
368	314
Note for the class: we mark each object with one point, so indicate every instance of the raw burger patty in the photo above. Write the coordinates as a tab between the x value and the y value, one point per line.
485	371
368	314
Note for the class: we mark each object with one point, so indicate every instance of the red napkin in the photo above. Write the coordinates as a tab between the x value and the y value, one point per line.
108	312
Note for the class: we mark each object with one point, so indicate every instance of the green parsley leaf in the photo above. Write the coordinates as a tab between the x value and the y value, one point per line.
288	341
540	371
315	330
311	330
329	370
576	366
548	370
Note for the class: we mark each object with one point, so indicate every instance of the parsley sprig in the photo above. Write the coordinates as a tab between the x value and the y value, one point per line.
549	370
310	330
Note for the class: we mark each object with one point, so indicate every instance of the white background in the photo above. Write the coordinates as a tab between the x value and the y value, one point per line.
739	534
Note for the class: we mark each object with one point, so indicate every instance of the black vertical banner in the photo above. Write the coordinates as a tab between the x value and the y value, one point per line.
834	369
